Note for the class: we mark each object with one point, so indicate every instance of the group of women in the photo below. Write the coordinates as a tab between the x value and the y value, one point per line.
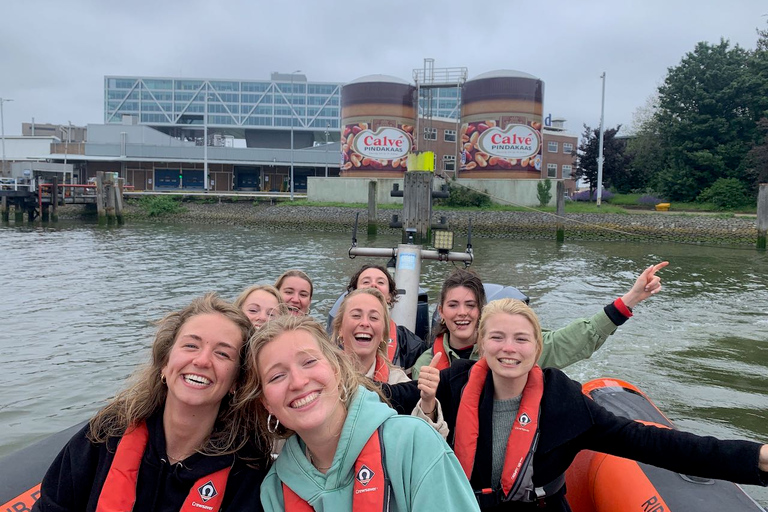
252	405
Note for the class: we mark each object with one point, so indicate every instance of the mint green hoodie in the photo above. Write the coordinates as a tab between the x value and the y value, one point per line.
422	469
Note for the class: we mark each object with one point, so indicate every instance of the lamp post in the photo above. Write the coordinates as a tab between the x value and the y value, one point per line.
600	148
291	105
205	140
327	127
2	130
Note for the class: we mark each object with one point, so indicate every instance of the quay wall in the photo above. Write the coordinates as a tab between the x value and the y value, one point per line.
653	227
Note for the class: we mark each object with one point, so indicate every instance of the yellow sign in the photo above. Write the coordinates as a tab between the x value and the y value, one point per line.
422	161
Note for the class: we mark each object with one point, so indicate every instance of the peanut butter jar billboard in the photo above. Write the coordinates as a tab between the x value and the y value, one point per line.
501	125
378	115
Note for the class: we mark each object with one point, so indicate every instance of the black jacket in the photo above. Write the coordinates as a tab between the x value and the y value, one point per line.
74	481
571	422
409	348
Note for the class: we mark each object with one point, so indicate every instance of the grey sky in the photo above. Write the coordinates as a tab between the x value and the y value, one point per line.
54	55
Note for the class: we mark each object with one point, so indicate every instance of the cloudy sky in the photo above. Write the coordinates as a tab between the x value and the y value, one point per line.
54	55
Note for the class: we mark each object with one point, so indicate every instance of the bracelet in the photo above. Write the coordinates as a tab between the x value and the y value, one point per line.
430	413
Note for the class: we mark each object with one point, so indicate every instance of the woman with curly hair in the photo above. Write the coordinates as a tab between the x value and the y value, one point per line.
171	440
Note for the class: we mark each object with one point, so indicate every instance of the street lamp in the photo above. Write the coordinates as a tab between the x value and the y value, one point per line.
600	158
291	105
205	141
2	130
327	127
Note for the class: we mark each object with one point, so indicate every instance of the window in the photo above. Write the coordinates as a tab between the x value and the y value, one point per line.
449	162
567	172
430	133
552	146
567	148
552	170
449	136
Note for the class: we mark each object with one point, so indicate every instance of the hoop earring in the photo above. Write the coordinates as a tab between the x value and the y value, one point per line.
270	429
162	378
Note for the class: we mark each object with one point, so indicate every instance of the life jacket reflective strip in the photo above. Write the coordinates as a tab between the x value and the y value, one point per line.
523	436
371	487
438	347
119	491
381	370
392	343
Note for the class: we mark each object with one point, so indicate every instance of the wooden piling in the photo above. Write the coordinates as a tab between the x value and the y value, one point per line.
560	211
762	216
18	213
119	201
55	200
373	208
45	213
100	198
109	190
4	209
417	205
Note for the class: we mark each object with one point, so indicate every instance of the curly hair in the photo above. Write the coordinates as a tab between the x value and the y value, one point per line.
251	399
146	394
390	280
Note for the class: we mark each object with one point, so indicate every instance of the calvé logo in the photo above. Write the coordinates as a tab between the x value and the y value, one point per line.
386	143
515	141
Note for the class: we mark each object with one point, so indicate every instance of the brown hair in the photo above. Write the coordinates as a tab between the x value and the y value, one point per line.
147	393
251	398
468	279
390	280
295	273
339	318
511	307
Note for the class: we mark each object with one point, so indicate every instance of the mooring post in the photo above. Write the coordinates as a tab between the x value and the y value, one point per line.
762	216
55	200
373	209
119	201
109	188
44	212
417	205
560	210
100	198
4	209
18	212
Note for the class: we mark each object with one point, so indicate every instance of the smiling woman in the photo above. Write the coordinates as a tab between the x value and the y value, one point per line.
171	439
345	449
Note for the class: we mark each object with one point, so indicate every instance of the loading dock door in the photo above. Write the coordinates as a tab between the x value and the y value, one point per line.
166	179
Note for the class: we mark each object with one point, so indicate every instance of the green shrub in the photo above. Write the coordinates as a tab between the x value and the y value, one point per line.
464	197
157	206
726	194
544	192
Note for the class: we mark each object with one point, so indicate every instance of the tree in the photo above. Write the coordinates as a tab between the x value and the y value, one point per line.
544	192
706	119
615	170
645	151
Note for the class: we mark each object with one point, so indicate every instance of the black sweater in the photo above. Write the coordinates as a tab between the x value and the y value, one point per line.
75	479
571	422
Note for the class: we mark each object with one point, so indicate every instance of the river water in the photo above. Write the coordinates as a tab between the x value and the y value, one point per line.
78	303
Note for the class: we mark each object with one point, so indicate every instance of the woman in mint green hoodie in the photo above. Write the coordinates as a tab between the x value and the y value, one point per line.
345	450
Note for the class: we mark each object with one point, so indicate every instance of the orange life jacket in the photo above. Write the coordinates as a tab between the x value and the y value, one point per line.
371	490
119	491
522	440
392	343
381	370
438	347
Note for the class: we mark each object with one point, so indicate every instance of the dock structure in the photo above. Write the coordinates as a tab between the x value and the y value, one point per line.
40	199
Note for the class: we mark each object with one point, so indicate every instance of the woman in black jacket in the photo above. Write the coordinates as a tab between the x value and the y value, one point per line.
516	428
171	441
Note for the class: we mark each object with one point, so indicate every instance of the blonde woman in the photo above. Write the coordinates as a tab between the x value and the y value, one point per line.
345	449
260	303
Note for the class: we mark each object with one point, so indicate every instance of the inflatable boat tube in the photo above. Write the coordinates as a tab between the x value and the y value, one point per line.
598	482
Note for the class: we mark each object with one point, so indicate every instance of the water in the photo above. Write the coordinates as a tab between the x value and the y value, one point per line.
79	301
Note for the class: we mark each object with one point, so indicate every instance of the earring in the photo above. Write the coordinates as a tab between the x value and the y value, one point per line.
162	378
270	429
442	321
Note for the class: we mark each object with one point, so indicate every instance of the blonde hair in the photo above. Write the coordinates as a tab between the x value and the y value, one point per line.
295	273
511	307
381	349
251	398
146	394
240	300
